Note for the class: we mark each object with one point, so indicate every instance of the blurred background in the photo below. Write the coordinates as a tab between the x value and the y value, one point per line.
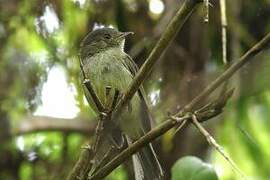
45	120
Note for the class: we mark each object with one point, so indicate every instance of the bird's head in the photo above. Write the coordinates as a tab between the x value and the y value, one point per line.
102	39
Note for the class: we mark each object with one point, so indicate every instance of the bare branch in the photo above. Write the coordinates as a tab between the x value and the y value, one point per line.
174	26
213	143
206	9
149	137
81	168
227	73
224	24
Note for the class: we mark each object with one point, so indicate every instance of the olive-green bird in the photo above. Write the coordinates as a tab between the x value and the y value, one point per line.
107	65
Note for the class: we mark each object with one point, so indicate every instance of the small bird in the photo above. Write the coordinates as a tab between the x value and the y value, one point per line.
106	64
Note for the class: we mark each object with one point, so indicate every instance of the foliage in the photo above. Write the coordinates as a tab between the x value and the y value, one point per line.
190	167
36	36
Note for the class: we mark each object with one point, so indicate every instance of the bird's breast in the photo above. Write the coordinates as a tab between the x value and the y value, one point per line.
108	71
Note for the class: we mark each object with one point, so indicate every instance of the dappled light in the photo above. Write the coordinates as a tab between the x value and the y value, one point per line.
58	98
188	82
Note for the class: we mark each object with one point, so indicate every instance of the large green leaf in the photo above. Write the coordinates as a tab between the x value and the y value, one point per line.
192	168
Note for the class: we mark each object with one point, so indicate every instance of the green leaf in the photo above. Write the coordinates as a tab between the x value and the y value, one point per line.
192	168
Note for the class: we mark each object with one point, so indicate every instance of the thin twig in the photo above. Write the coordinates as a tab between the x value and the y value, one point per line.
227	74
216	105
213	143
99	129
104	159
224	25
81	167
211	109
174	120
91	90
206	11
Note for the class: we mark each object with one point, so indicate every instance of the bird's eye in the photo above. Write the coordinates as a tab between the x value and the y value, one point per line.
107	36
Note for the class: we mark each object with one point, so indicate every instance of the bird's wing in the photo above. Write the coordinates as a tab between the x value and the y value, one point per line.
146	163
145	113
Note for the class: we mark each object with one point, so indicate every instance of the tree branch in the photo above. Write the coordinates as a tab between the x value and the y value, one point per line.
179	118
81	168
212	142
224	25
33	124
174	26
150	136
227	73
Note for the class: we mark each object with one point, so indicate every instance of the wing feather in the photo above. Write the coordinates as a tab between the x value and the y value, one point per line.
146	117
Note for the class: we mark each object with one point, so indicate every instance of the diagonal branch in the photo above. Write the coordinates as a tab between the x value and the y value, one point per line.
153	134
174	120
174	26
81	168
227	73
212	142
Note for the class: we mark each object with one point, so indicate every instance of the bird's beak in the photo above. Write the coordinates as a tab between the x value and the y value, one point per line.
124	34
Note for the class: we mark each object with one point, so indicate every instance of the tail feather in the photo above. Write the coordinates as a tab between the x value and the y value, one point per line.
150	165
138	170
145	164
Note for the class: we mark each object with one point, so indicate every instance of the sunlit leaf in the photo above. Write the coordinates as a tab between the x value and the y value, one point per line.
192	168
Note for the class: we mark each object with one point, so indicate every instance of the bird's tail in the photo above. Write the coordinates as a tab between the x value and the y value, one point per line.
146	165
